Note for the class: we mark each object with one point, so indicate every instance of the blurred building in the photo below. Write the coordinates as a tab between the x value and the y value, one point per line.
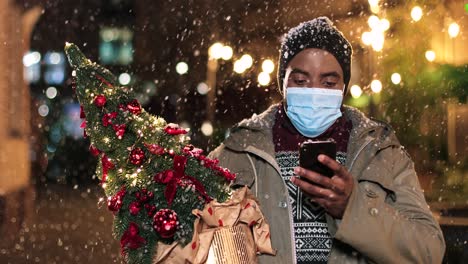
16	194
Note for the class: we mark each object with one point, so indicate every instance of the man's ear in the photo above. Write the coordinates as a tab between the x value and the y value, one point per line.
285	81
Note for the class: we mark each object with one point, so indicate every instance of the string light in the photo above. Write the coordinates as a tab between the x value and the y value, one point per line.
31	58
376	86
378	41
373	22
374	6
453	30
356	91
247	60
375	38
268	66
226	53
51	92
124	78
202	88
243	63
384	24
182	68
430	55
216	51
239	67
396	78
366	38
207	128
264	78
416	13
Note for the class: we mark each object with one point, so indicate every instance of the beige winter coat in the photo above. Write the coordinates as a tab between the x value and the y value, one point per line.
387	219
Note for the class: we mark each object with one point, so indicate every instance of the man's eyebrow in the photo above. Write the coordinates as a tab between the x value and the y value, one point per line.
297	70
330	74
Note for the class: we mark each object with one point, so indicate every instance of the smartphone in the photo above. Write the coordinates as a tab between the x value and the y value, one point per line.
309	151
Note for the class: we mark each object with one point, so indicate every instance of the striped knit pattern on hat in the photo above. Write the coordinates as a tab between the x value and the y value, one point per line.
317	33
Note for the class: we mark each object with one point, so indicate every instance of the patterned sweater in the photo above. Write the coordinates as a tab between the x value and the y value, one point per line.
312	239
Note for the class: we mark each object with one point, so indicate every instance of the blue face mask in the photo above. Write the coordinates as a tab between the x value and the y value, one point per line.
313	110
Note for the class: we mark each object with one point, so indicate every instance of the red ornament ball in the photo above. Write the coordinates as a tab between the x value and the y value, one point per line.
115	202
100	101
165	223
134	107
137	156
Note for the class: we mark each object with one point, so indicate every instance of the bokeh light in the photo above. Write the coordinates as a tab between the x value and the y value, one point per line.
396	78
247	60
124	78
268	66
416	13
264	78
356	91
43	110
31	58
453	30
202	88
216	51
207	128
182	68
430	55
376	86
51	92
226	53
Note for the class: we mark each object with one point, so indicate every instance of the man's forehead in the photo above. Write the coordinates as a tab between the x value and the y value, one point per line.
317	59
315	52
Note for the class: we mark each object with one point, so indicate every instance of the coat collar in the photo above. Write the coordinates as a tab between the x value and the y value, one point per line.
256	131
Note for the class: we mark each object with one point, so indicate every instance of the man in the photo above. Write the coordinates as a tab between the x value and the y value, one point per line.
372	209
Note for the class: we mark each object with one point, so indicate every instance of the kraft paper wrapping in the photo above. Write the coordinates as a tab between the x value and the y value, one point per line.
231	232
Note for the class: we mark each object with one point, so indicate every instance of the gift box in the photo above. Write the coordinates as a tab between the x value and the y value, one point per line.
232	245
231	232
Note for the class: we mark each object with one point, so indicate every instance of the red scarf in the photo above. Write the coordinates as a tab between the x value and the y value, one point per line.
287	138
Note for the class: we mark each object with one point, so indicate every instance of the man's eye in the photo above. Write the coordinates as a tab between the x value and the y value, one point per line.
300	81
330	84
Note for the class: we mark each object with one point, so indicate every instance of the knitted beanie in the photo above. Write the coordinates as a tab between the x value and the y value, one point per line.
317	33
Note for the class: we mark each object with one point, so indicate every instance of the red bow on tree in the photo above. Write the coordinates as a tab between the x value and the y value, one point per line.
131	238
177	177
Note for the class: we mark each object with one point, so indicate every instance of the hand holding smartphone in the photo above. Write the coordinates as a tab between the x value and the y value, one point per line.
309	151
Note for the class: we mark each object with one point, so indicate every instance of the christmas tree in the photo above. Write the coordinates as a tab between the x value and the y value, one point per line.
152	176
